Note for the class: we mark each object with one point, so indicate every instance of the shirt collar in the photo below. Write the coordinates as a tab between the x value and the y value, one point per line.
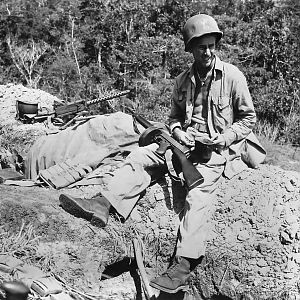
219	64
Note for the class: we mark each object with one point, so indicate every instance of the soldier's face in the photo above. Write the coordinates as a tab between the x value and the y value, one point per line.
203	50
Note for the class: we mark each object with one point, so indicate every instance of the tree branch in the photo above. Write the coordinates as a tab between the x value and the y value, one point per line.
74	51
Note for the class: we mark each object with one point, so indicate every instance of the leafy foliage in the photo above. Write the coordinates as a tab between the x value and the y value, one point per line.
85	48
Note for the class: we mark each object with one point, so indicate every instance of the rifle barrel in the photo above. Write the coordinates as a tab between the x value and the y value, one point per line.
142	121
111	96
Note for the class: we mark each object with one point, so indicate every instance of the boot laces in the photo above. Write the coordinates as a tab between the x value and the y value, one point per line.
172	269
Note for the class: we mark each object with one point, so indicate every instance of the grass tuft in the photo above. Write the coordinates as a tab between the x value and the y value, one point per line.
21	243
265	130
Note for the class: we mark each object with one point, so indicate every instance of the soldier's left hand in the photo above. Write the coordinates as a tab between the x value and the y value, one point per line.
219	141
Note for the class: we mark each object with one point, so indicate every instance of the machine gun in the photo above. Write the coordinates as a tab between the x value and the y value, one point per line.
61	113
67	111
157	134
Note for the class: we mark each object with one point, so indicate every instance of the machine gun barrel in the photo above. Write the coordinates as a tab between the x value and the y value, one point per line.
71	109
108	97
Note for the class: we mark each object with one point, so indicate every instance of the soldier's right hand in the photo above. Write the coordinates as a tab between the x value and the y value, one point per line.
183	137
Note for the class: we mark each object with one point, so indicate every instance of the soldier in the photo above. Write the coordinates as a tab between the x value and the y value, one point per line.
210	101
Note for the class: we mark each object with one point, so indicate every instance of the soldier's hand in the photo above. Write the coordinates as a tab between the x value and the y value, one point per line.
219	141
183	137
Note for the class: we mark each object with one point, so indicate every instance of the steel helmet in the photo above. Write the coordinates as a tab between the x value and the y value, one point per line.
198	26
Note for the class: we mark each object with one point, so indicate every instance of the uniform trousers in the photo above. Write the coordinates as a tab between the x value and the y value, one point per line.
130	180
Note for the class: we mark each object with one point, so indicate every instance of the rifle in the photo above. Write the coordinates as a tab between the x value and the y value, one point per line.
157	134
66	111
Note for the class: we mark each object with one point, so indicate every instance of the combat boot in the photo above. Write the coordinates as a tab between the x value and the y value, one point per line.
95	210
175	278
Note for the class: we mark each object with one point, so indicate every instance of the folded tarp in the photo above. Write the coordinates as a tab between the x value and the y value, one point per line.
87	144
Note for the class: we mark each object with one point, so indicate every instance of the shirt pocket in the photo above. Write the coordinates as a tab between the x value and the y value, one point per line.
222	112
223	107
223	102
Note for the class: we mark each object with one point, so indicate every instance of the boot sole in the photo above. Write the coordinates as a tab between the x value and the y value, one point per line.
71	206
161	288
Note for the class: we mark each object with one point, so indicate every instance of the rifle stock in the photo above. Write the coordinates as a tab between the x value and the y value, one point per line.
152	134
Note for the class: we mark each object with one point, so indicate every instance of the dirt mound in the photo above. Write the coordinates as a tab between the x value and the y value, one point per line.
253	250
14	135
255	244
10	93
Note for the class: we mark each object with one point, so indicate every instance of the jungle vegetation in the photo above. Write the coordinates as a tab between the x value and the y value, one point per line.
82	49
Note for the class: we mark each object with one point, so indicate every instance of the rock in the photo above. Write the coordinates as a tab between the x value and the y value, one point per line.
263	271
261	263
136	216
152	215
293	230
285	238
289	275
276	269
291	266
291	219
159	196
296	257
163	222
295	181
243	235
289	186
